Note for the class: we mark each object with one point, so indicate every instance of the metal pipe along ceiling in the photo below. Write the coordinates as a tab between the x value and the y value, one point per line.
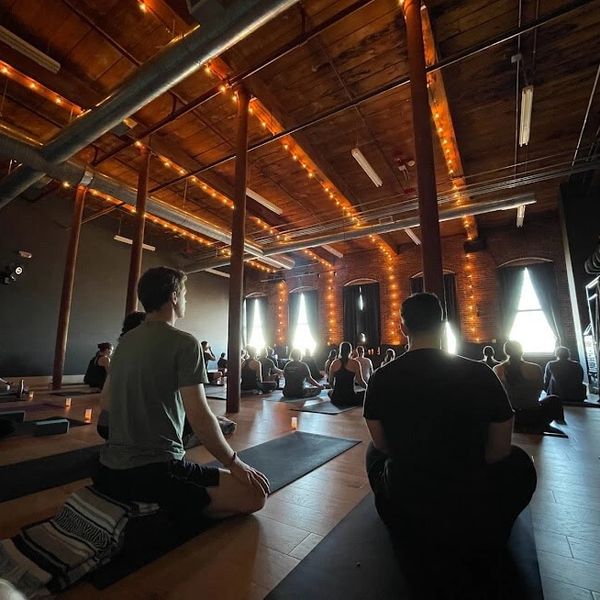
74	172
173	63
361	232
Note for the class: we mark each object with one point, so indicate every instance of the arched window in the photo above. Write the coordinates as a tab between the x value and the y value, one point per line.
361	313
257	336
302	337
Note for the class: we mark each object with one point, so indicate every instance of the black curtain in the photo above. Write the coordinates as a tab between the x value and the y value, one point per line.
544	282
366	321
451	307
511	284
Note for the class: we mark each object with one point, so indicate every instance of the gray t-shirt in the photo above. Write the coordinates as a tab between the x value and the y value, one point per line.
295	372
147	415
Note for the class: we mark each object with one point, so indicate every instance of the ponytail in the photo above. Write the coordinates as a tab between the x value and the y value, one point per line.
345	350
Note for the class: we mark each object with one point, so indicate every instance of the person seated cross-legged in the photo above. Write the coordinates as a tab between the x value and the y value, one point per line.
445	476
523	383
563	377
270	371
343	372
252	374
156	379
296	373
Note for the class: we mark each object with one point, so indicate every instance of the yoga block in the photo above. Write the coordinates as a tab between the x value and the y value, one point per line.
53	427
16	416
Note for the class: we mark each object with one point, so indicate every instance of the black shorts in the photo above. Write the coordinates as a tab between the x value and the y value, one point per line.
178	486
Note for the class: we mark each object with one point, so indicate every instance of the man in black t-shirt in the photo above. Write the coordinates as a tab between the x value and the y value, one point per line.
441	462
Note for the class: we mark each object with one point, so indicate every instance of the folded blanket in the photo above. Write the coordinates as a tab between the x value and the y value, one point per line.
52	555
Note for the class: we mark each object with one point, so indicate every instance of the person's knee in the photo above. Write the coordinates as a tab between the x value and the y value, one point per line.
254	501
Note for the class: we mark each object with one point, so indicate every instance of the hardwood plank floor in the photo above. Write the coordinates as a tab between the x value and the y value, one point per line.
244	558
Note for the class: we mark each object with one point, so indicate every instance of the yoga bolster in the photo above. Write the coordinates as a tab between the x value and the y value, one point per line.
16	416
52	427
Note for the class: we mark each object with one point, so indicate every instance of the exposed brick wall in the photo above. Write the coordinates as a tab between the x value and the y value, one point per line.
537	239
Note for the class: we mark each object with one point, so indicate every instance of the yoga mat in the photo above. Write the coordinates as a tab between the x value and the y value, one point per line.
325	408
27	427
585	404
282	460
356	561
552	432
30	476
72	393
29	408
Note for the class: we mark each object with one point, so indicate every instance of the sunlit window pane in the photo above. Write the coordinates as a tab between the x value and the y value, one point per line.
450	339
303	339
531	327
257	337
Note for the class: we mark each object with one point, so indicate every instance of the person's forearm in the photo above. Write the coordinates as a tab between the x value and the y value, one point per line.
315	383
211	436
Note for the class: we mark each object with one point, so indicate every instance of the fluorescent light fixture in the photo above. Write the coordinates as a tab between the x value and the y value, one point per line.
120	238
31	52
413	236
332	250
526	106
219	273
520	215
256	196
359	157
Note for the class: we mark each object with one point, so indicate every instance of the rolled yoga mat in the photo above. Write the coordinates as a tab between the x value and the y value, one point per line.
282	460
356	561
30	476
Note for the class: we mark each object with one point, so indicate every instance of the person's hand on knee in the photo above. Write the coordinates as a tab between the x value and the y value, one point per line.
250	476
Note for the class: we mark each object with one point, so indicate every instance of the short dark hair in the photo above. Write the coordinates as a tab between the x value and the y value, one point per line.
563	352
157	285
513	348
488	351
360	349
102	346
421	312
132	320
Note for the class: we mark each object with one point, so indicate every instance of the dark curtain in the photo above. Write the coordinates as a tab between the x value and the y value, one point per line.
350	298
451	308
365	321
511	284
544	283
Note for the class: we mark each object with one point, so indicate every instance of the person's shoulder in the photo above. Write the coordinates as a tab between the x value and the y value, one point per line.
184	338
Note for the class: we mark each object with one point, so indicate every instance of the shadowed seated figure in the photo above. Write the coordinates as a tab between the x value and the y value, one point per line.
270	372
97	369
296	373
343	372
446	479
252	375
489	357
523	383
564	377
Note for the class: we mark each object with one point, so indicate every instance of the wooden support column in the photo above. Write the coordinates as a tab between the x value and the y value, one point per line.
431	247
135	262
238	235
64	314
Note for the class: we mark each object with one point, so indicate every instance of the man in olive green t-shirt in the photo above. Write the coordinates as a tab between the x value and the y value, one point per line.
156	379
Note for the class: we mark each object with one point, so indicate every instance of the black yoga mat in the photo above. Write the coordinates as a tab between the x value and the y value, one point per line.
27	427
282	460
586	404
40	474
324	408
356	561
550	431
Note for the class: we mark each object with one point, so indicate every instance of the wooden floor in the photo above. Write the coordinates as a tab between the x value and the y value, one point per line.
247	557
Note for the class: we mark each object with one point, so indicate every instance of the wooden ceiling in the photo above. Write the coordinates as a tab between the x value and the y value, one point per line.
100	42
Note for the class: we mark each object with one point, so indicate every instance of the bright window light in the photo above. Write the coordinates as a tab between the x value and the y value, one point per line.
531	327
450	339
303	339
257	337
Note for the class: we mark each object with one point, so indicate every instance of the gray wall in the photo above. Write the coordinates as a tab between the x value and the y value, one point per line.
29	307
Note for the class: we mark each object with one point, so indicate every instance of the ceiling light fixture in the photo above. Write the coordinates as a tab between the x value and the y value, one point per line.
120	238
520	215
359	157
413	236
526	106
31	52
256	196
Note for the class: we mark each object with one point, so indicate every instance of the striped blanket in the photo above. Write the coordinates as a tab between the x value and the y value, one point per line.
86	533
